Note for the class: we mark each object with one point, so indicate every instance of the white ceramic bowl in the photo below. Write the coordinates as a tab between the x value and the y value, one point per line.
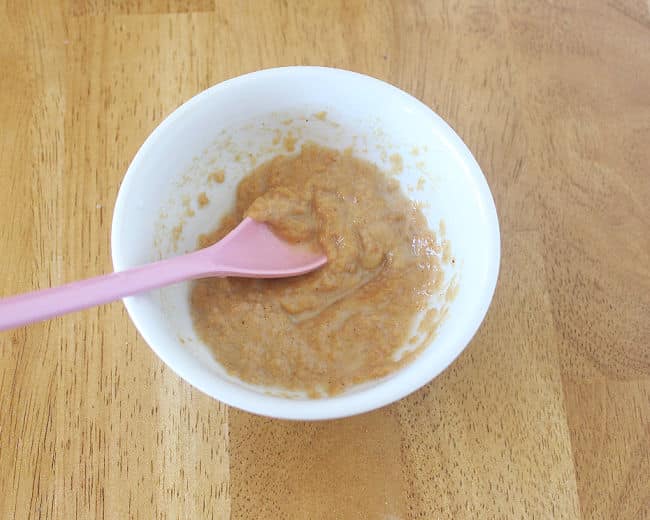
244	121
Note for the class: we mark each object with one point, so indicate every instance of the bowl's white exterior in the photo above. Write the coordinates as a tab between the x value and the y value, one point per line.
247	113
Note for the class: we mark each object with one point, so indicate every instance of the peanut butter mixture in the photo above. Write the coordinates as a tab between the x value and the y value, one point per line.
342	324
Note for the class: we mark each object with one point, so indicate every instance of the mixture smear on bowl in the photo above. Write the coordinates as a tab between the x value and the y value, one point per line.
344	323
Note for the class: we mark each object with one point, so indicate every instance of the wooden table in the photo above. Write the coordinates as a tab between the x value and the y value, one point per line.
547	413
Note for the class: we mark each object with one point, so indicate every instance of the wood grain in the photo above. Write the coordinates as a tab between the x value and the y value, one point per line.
546	415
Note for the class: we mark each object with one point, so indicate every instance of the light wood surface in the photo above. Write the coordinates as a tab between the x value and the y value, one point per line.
546	414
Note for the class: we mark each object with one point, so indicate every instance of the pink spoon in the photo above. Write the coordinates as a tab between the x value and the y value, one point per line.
251	250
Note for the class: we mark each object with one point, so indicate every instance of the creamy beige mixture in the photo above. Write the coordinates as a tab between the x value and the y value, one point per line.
340	325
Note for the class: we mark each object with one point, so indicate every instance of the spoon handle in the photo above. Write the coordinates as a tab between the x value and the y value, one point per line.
47	303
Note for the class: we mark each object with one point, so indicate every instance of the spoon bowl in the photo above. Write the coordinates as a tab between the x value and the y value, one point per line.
252	250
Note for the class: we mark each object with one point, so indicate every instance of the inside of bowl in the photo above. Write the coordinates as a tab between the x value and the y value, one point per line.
218	134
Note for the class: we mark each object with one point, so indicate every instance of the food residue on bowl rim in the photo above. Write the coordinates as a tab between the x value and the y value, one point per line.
216	175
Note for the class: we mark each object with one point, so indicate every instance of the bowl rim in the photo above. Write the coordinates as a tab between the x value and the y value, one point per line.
382	393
